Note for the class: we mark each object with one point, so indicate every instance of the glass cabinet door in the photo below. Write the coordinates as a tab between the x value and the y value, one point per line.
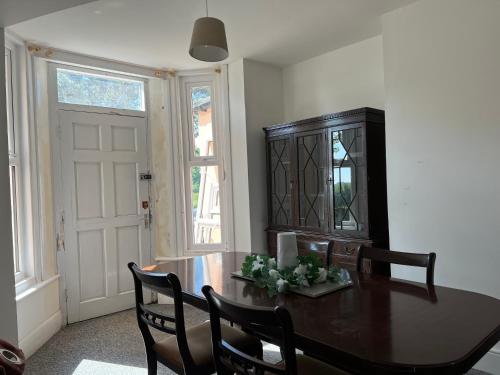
348	180
280	182
311	183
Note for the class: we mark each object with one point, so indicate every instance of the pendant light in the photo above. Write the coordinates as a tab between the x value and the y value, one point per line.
208	42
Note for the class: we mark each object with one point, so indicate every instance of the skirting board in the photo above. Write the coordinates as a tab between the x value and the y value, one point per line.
490	363
34	341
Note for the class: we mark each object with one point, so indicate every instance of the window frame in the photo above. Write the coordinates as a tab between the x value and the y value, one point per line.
220	131
13	123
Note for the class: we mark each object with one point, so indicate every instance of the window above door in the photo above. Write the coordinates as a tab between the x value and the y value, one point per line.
88	89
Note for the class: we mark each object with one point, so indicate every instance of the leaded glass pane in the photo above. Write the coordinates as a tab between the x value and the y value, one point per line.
311	184
347	151
279	153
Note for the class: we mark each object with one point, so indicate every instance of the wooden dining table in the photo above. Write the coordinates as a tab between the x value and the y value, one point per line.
380	325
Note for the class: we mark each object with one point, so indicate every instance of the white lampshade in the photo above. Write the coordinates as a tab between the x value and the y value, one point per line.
208	42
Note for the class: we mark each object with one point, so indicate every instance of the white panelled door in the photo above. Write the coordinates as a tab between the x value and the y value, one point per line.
105	225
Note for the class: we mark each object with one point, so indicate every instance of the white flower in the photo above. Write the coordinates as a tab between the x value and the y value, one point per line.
304	282
274	274
281	285
271	263
322	275
300	270
257	265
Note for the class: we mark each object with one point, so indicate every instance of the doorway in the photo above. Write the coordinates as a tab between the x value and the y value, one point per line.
105	200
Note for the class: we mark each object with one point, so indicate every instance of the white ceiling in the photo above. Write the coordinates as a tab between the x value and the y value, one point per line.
157	33
14	11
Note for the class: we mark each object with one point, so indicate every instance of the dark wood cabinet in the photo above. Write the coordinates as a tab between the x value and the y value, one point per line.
327	180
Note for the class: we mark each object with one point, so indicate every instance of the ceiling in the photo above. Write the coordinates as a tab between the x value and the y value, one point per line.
157	33
14	11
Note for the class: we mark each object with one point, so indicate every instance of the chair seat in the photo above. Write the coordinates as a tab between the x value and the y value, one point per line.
200	345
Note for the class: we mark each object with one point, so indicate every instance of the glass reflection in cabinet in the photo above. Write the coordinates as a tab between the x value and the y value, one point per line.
279	155
311	183
347	151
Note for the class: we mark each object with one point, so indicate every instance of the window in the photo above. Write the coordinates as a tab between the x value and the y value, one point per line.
203	167
75	87
14	162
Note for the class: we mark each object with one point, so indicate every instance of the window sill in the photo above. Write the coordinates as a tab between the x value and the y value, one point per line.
29	286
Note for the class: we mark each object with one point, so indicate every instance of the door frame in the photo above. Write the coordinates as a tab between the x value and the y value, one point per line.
56	163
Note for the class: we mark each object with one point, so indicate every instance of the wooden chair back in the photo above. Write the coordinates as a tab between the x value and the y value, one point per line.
274	321
397	257
321	248
167	284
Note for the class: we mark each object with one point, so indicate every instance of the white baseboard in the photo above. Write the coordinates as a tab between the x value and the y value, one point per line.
34	341
490	363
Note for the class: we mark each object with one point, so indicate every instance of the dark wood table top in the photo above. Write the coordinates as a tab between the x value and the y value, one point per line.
380	325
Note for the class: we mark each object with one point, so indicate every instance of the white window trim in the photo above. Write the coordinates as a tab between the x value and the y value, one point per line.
183	144
22	160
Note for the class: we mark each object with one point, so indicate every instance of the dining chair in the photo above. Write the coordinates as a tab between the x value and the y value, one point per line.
187	350
397	257
276	322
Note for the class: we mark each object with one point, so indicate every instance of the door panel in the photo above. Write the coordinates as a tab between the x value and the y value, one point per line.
102	156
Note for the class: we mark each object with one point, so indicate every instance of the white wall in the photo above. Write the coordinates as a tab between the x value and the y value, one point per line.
164	242
8	322
442	83
347	78
239	159
256	100
264	106
38	315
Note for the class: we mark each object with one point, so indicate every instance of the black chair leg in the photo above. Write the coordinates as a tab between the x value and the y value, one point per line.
152	363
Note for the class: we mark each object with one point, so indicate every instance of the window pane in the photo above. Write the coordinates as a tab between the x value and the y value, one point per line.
206	205
201	109
13	205
9	102
101	91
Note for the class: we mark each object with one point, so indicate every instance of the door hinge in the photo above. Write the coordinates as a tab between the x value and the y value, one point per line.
66	294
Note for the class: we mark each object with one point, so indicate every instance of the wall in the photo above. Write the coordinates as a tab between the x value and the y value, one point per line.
256	92
264	106
347	78
442	83
239	160
47	241
8	322
38	315
164	231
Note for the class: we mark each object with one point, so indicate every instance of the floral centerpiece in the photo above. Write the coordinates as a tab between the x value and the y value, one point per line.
308	271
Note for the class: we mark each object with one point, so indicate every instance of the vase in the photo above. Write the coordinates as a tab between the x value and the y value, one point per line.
287	250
